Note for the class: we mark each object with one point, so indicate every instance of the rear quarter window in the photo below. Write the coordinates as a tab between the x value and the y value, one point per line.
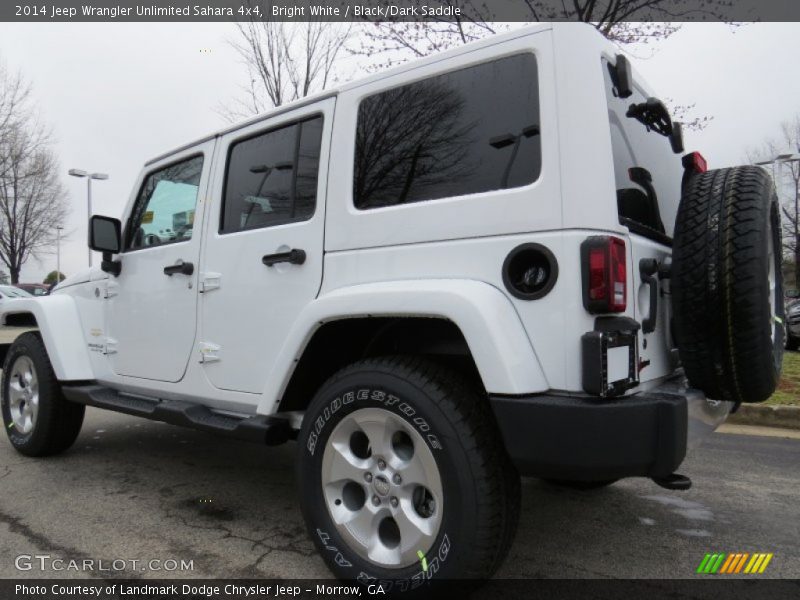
467	131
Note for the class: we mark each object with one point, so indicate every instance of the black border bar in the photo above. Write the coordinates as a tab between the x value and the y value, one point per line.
42	11
698	588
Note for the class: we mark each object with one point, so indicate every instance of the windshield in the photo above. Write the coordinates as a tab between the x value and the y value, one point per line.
9	291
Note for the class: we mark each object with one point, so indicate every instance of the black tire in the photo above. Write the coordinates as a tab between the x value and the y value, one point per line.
481	489
58	421
581	485
729	339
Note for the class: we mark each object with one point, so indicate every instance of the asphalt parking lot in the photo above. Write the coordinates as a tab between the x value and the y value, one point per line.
137	490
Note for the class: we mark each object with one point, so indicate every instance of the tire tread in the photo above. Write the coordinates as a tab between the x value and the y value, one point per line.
719	284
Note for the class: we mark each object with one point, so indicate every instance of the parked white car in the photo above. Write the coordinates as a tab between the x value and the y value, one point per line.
496	261
12	291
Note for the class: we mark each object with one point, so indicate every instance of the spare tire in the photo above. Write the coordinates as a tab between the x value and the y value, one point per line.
726	284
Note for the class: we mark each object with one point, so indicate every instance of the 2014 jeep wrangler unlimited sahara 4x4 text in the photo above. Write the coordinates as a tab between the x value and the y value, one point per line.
493	262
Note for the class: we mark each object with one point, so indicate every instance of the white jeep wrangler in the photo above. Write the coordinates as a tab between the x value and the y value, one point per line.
493	262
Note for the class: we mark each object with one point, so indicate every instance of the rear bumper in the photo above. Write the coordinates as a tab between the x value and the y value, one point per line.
587	439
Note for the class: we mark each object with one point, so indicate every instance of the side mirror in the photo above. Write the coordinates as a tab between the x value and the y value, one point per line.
105	235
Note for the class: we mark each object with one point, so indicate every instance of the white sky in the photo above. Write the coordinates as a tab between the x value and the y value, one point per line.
118	94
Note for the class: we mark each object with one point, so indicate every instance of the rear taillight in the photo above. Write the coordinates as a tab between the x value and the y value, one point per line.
605	275
695	162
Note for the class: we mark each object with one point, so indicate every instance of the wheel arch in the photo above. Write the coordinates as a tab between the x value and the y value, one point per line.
57	320
470	324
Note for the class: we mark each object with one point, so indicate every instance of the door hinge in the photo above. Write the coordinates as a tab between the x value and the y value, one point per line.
110	347
111	290
210	281
209	352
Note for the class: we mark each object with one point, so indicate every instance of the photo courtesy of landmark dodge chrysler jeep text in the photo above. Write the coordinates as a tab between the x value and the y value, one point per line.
496	261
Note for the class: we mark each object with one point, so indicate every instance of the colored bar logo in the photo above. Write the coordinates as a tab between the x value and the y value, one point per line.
720	563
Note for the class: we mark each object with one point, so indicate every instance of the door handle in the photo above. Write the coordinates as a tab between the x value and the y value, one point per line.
648	267
179	268
295	256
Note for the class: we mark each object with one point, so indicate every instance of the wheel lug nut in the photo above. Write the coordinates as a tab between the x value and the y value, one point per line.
368	477
381	464
376	500
397	479
394	502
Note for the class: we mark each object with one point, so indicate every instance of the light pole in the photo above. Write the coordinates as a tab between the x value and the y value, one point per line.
58	254
502	141
89	177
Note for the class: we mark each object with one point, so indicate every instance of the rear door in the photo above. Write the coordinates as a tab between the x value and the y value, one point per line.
262	258
648	181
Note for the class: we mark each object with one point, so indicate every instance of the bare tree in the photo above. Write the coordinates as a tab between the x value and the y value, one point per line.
285	62
409	136
624	22
787	180
32	199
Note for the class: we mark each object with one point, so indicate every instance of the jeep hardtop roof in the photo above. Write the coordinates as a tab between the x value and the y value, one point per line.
333	92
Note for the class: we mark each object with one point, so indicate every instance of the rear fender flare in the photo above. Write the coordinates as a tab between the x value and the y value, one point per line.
503	354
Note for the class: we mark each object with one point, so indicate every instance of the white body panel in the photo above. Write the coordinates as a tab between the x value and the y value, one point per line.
543	321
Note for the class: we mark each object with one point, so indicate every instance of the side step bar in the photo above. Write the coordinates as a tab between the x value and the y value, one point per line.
262	429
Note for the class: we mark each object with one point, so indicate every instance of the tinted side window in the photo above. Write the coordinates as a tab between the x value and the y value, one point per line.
164	209
271	178
469	131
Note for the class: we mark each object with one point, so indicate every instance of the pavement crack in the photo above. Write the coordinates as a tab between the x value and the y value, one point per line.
276	539
67	553
292	547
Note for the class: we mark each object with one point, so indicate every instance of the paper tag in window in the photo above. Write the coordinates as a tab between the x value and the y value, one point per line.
147	218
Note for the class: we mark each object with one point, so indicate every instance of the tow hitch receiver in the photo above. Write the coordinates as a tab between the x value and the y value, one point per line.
674	482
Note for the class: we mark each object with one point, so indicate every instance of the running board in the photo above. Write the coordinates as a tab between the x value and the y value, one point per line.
262	429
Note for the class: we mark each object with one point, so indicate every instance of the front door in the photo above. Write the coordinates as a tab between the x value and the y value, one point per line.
152	308
262	260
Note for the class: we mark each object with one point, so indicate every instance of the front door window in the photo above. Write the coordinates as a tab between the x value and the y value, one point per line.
165	207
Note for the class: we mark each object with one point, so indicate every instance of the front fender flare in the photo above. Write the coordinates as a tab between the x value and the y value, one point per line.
503	354
60	327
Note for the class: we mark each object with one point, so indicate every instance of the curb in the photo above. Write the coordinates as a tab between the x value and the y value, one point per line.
787	417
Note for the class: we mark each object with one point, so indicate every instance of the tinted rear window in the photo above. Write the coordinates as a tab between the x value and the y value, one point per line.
464	132
634	146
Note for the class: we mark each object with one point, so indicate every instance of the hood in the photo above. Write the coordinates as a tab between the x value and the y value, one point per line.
82	276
